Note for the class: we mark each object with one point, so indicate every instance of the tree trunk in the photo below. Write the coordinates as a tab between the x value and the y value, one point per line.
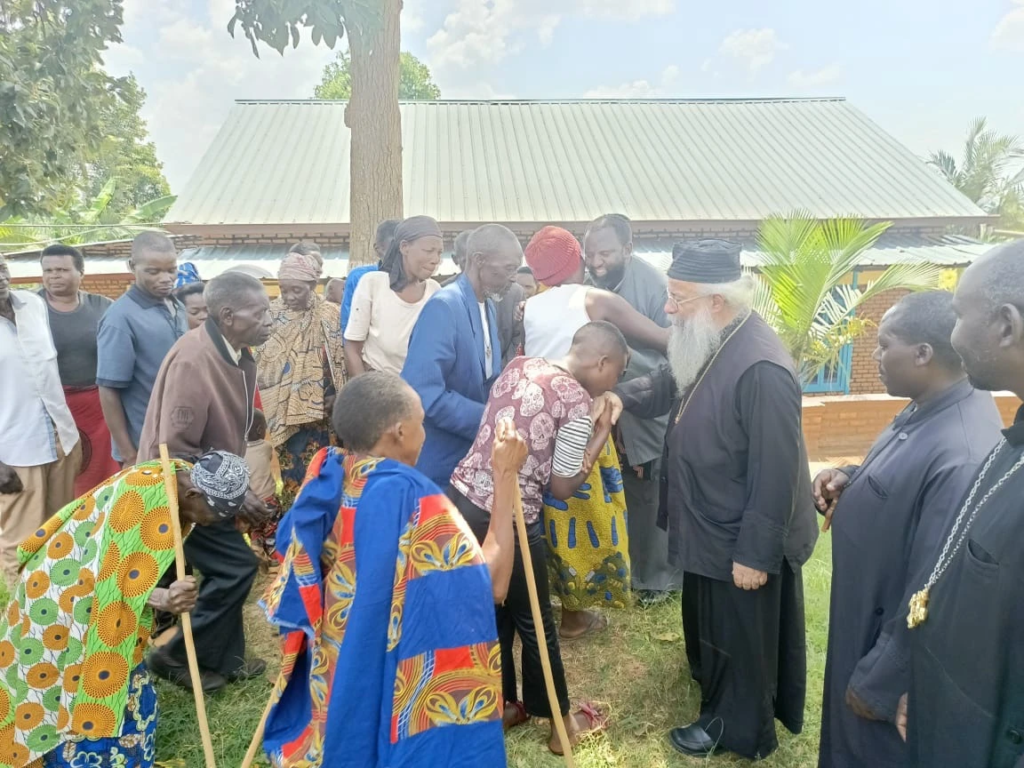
372	116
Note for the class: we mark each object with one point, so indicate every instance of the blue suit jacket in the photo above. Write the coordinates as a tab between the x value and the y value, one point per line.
445	366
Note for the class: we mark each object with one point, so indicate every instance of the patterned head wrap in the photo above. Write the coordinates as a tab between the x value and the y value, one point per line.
187	273
296	266
223	479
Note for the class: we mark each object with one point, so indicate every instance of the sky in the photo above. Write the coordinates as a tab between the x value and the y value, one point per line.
922	69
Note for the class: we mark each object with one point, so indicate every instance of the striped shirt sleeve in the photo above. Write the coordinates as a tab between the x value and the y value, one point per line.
570	447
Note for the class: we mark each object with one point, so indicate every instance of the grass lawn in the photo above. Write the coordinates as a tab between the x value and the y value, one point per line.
637	669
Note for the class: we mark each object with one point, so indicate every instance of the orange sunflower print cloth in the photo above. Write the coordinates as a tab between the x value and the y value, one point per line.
78	623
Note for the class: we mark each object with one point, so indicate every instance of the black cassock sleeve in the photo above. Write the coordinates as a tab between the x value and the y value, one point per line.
769	404
650	396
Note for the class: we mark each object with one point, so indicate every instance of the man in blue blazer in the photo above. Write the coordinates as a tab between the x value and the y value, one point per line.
454	352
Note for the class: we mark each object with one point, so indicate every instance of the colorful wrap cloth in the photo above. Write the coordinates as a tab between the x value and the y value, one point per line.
78	622
387	618
588	545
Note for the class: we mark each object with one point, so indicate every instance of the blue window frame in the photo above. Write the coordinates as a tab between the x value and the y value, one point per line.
834	378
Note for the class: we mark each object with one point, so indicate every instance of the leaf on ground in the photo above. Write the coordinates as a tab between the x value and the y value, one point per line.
668	637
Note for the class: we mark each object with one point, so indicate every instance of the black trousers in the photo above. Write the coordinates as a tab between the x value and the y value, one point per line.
228	569
748	652
515	616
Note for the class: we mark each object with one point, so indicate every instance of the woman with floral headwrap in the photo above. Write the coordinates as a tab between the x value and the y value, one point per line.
388	302
300	368
74	690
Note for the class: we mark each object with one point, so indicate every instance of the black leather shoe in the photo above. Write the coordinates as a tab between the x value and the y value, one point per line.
692	740
250	669
164	667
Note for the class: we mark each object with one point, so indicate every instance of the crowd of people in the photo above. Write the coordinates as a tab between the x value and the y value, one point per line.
648	424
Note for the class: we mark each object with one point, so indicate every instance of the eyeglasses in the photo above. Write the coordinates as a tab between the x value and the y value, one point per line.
676	303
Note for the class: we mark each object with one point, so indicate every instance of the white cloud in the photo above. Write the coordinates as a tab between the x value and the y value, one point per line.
1009	32
202	71
482	32
809	80
412	16
617	9
638	89
756	46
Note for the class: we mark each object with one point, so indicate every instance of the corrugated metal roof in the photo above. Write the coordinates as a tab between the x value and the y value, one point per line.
212	260
895	248
569	161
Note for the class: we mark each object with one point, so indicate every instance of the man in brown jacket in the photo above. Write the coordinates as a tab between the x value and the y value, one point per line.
203	400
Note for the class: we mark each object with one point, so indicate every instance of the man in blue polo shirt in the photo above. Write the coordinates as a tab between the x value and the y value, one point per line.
385	234
135	335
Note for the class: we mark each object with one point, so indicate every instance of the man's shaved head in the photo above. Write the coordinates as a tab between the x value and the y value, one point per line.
989	333
491	239
600	338
494	256
460	249
598	357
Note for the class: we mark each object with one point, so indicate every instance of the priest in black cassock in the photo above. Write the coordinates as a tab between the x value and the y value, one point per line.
888	517
965	704
736	501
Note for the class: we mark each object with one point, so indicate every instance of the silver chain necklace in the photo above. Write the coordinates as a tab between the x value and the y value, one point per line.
919	602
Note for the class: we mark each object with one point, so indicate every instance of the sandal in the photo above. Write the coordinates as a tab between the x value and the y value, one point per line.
597	622
521	715
597	722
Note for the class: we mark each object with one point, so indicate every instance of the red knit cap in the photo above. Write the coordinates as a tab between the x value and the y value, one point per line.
554	255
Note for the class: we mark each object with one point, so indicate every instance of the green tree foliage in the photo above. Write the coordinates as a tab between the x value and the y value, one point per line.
125	156
803	290
415	81
990	173
53	95
88	222
372	114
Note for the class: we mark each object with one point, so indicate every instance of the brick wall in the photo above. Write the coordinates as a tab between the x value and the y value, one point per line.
112	286
864	370
845	427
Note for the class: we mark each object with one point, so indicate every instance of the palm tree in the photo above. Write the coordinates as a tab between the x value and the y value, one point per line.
802	291
988	172
88	224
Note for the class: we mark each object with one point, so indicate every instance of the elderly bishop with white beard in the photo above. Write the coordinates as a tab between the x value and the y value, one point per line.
735	500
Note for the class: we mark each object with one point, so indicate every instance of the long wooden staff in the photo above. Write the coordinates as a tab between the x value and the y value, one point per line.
171	486
257	738
542	640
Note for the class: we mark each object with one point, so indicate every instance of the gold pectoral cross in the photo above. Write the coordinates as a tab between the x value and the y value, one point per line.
918	609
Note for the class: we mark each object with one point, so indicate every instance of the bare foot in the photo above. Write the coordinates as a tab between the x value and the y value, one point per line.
577	624
515	714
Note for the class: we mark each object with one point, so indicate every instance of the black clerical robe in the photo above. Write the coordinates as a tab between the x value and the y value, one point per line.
736	488
887	530
966	697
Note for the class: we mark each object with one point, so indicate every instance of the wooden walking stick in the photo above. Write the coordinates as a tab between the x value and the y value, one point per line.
257	738
542	640
171	486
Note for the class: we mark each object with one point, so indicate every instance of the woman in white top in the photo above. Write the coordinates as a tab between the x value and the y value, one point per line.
388	302
593	572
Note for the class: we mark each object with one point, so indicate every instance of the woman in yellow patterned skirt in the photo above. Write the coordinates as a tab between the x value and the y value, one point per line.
588	545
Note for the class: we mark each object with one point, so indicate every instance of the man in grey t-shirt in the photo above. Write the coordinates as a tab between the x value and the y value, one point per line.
608	247
74	317
135	336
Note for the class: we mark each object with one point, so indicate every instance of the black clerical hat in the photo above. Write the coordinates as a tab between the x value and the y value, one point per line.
706	261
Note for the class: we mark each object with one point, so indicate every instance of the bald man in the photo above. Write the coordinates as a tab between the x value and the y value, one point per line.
966	699
455	349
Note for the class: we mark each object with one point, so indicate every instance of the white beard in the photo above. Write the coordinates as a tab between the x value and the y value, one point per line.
691	344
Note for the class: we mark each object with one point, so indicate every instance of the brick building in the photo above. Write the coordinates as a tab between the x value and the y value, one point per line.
277	172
